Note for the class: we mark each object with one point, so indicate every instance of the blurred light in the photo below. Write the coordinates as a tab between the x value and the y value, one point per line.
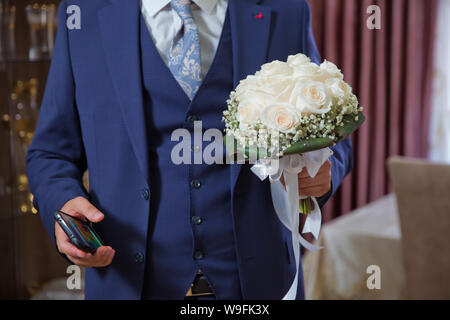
24	208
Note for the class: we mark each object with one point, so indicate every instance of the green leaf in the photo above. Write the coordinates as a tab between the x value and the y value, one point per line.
309	145
349	126
233	148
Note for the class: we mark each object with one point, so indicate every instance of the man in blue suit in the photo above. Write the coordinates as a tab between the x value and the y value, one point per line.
118	87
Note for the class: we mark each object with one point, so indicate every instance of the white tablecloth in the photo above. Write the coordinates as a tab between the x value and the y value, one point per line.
368	236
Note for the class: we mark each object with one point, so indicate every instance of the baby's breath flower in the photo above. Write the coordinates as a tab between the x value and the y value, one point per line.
308	126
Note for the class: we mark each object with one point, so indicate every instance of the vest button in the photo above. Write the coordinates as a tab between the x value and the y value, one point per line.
196	184
196	220
145	194
196	148
198	255
139	257
192	118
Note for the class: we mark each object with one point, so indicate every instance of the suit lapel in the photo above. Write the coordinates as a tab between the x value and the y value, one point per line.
119	27
250	28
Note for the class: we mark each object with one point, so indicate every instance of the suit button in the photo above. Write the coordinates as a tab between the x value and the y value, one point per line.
196	148
196	184
139	257
196	220
192	119
198	255
145	194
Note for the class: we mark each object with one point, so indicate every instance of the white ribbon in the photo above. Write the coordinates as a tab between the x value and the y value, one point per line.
286	202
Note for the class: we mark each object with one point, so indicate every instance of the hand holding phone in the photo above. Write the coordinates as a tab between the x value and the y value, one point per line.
80	232
102	256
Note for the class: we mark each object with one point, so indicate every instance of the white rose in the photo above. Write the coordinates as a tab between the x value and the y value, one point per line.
282	117
266	90
272	83
331	70
311	97
285	92
275	68
258	97
338	88
248	84
276	86
251	89
309	71
248	112
298	60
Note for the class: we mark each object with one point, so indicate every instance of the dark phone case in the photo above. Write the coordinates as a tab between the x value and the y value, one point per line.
74	238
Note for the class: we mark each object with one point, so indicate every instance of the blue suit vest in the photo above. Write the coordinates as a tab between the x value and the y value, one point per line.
190	225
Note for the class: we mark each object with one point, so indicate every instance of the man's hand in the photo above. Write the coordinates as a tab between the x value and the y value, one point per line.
82	208
317	186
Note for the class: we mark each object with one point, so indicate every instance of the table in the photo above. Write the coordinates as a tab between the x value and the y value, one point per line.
368	236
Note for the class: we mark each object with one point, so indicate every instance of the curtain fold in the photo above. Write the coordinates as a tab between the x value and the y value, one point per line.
440	119
390	70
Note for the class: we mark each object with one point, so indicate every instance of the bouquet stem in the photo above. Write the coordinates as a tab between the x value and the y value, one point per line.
306	206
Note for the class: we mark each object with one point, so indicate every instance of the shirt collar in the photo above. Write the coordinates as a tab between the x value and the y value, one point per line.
206	5
154	6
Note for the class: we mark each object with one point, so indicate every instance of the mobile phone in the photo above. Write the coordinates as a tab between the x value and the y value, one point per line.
80	232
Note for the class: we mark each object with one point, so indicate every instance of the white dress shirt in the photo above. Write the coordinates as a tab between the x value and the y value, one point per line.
164	23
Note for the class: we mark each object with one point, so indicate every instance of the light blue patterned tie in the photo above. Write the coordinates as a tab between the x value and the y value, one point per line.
184	55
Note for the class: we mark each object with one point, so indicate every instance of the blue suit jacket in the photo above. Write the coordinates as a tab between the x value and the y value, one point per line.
94	96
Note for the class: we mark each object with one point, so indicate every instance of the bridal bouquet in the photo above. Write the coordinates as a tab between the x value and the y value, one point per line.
291	107
283	119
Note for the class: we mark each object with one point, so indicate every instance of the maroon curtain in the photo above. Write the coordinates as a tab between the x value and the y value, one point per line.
390	70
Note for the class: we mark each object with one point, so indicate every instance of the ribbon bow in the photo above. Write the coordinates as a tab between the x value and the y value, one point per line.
286	202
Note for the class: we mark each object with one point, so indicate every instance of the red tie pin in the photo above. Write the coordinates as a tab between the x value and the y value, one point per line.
259	16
